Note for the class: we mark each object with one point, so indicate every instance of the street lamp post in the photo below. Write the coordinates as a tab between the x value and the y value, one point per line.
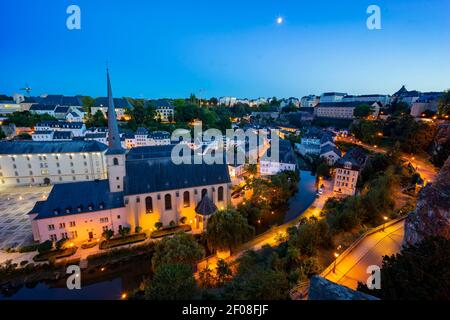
334	265
384	224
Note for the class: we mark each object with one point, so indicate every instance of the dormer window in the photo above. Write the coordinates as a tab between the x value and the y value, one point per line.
90	207
68	210
56	211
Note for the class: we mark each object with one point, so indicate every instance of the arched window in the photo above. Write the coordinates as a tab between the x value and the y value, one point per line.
168	202
220	194
204	193
186	200
148	205
116	161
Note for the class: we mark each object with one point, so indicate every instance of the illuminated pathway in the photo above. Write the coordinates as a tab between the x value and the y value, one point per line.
351	265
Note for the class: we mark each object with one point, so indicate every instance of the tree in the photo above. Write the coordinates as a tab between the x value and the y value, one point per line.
223	272
88	102
138	229
171	282
418	272
158	225
124	231
363	111
227	229
2	134
259	284
107	234
444	104
206	277
96	120
181	248
45	246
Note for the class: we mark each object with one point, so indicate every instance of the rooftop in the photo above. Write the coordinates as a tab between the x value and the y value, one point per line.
78	197
36	147
162	174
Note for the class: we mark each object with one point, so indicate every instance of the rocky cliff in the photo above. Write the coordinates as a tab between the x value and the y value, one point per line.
432	214
323	289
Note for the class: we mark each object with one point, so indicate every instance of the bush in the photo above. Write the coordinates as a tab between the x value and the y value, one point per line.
138	229
51	256
88	245
158	225
45	246
169	231
107	244
29	248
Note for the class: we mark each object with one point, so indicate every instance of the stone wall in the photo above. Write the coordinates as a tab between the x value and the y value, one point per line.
432	214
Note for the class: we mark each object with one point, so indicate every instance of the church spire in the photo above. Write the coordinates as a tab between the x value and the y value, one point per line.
113	128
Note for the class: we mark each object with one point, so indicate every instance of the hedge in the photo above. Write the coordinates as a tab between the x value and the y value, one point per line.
111	243
170	230
55	254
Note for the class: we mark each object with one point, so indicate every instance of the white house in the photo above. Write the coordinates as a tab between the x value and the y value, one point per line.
78	129
286	161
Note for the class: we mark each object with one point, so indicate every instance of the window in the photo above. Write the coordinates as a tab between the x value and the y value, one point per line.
148	205
51	227
186	200
105	228
103	220
62	225
72	224
204	193
220	194
168	202
64	235
116	161
73	234
53	237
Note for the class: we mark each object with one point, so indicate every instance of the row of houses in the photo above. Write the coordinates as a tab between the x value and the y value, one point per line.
65	131
319	143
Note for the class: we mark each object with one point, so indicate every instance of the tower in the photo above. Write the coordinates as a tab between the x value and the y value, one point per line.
115	155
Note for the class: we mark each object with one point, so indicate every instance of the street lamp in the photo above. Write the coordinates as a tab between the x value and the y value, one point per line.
384	224
334	265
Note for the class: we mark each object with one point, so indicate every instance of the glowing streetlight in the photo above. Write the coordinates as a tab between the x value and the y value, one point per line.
384	224
336	255
123	296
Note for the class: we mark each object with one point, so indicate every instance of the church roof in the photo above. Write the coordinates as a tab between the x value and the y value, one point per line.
78	197
206	206
161	174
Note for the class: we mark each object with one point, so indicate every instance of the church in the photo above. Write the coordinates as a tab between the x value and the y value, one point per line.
143	188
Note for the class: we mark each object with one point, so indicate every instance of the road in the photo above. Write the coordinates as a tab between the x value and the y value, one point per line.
351	265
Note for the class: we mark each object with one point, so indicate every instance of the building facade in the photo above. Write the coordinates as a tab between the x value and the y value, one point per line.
347	170
36	162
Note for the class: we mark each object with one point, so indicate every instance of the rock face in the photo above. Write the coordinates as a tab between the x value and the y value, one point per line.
432	214
323	289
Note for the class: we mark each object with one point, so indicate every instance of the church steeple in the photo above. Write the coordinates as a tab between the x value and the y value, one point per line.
113	128
115	155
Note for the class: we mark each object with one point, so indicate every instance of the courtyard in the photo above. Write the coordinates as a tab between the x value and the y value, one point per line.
15	203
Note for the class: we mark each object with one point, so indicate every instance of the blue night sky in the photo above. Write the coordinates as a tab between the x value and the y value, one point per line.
217	48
